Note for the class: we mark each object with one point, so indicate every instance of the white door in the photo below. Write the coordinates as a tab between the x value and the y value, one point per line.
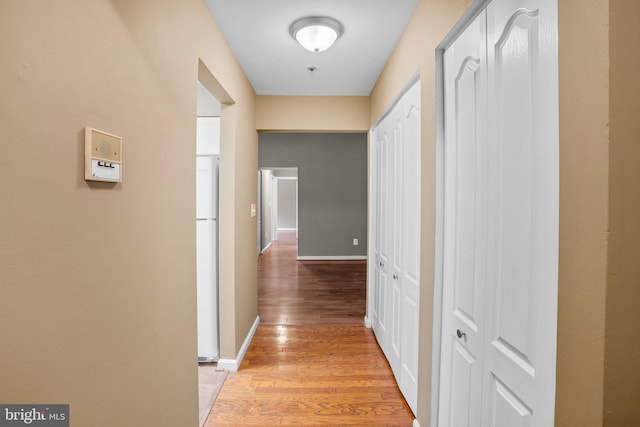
394	234
465	234
395	157
520	349
380	326
373	268
501	219
410	250
206	256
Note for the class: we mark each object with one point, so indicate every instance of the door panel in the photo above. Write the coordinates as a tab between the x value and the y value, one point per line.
383	294
506	408
523	225
410	247
395	237
465	233
373	268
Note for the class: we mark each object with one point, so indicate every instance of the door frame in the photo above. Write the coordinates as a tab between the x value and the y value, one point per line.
436	345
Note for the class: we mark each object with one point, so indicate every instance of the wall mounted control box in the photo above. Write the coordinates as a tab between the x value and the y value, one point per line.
103	156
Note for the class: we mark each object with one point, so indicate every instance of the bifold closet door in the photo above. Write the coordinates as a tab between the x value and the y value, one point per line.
520	341
396	227
501	219
465	235
410	246
381	308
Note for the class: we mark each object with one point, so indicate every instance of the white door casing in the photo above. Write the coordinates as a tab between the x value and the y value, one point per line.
465	228
501	194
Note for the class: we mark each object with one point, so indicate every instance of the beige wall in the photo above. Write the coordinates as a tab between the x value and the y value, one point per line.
622	344
583	79
312	113
98	280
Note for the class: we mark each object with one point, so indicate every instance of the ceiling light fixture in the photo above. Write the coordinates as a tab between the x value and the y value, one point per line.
316	33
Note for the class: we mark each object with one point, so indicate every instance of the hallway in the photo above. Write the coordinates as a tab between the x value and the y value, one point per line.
311	361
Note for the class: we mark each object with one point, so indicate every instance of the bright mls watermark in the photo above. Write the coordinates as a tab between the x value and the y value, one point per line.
34	415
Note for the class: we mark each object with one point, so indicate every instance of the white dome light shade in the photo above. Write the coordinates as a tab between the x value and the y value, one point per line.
316	33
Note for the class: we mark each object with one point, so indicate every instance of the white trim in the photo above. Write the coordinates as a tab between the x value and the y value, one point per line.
416	423
439	241
266	247
413	80
286	229
367	322
332	258
233	364
472	13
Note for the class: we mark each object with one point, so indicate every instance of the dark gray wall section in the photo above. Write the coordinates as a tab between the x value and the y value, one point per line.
286	203
332	188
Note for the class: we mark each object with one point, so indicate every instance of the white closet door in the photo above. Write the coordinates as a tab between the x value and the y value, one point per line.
520	349
396	193
410	260
465	234
395	160
373	268
383	224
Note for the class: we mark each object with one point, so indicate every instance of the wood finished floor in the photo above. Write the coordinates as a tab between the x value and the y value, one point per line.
311	361
294	292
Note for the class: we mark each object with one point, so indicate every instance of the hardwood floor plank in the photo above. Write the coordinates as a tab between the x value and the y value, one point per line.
311	360
292	292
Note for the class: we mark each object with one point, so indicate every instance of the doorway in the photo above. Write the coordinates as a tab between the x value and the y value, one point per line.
277	205
207	160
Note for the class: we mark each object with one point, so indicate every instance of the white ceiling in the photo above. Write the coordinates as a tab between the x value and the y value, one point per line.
258	33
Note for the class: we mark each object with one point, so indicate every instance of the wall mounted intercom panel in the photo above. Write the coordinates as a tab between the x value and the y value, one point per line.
103	156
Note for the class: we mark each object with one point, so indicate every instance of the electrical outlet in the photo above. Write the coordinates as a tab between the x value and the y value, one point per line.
355	242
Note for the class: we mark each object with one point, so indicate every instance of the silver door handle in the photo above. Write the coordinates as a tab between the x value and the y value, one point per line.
395	277
460	334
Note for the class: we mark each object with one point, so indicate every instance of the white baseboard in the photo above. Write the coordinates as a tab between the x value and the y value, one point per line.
233	364
286	229
332	258
367	322
416	423
266	247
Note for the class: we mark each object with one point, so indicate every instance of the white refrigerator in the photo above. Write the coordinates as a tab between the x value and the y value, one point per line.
207	257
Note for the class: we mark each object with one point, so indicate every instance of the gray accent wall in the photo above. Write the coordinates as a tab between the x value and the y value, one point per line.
332	188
